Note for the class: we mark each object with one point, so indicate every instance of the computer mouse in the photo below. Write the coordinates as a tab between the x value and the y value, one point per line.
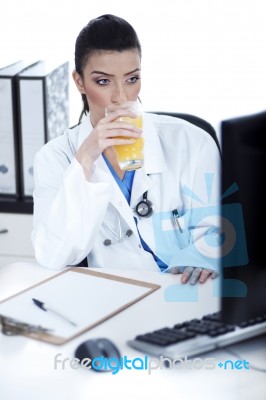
101	349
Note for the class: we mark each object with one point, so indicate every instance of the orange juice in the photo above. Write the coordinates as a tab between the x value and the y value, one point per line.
130	156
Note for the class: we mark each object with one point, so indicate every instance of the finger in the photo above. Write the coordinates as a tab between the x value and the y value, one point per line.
195	276
118	125
214	274
186	274
113	138
119	133
108	131
205	274
118	142
174	270
114	115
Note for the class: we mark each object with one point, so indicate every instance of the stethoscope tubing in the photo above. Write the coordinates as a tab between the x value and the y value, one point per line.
144	209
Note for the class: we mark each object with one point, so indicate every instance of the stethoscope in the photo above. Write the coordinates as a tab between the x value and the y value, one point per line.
144	208
118	236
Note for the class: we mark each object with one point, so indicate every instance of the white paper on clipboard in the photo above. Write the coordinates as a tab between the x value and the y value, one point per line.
85	297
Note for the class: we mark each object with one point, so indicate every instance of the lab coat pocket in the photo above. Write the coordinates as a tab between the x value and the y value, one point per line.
171	233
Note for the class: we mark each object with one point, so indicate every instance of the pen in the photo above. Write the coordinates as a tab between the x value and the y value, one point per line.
175	217
45	307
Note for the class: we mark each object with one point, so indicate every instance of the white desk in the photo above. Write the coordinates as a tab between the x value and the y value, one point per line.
27	366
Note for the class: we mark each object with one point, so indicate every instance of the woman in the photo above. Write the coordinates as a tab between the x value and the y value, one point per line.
85	205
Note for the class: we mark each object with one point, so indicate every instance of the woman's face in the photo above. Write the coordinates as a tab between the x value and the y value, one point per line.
109	77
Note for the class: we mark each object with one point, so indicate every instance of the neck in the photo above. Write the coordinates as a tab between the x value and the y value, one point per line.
111	157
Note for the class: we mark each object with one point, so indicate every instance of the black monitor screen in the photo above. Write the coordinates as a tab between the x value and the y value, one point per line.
243	217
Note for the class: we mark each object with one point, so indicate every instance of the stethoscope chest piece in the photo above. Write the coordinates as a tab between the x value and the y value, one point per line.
145	207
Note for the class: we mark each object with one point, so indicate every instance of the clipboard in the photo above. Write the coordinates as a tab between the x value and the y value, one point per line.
86	297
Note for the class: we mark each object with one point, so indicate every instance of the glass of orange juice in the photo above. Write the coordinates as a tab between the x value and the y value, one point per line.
130	156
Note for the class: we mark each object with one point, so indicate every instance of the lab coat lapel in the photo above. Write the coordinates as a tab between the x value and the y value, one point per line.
141	184
154	162
118	200
85	129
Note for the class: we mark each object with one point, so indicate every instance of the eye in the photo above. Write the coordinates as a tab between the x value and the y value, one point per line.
133	79
102	82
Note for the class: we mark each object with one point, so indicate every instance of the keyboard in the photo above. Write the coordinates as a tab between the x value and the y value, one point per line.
197	336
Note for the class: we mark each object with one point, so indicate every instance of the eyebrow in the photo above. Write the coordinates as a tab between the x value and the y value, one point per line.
105	73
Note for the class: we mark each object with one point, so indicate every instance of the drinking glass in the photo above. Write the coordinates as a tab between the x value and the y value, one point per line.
130	156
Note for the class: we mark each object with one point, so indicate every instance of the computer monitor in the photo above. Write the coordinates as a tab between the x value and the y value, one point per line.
243	217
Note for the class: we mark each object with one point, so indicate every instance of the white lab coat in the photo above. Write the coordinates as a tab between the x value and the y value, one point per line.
69	210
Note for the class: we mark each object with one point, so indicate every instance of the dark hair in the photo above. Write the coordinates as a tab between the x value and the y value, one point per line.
107	32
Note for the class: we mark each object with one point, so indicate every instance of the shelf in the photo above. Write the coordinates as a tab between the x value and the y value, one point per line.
19	206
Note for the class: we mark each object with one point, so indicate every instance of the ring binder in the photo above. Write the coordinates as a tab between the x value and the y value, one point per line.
43	112
9	151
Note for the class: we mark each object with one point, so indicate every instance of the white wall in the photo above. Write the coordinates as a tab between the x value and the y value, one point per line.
205	57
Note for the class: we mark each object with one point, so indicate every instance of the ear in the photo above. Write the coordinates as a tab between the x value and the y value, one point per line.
78	81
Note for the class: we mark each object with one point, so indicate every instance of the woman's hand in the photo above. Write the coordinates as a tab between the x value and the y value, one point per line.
107	132
194	275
